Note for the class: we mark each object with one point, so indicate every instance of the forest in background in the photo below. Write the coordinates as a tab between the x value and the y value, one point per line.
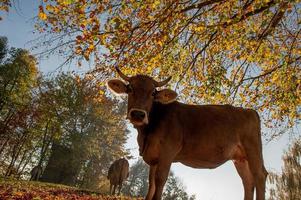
65	124
60	122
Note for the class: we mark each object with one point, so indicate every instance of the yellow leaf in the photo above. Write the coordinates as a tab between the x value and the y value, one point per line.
91	47
42	16
49	7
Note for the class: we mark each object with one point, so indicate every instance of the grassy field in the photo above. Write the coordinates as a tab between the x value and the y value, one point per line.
30	190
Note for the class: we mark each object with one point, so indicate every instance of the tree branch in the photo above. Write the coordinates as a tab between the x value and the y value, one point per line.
236	18
271	70
196	57
275	20
200	5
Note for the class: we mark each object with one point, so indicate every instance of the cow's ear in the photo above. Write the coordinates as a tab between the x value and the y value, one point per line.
166	96
117	86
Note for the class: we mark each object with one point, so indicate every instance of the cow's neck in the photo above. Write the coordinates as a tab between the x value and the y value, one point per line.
156	114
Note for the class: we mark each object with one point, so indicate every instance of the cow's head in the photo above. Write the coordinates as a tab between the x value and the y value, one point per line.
142	92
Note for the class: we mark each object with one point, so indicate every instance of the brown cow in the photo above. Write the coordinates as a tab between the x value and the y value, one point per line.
118	172
199	136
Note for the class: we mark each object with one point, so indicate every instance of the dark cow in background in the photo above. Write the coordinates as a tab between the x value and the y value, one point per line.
35	173
199	136
118	172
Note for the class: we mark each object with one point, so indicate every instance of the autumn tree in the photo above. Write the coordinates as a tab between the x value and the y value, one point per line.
287	185
90	132
243	53
4	6
64	123
18	73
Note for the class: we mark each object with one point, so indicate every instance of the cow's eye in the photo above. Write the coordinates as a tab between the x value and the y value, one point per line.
129	89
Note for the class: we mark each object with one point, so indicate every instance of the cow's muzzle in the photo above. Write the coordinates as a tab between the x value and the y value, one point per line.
138	116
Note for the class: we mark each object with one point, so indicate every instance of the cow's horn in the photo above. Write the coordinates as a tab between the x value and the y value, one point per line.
162	83
123	76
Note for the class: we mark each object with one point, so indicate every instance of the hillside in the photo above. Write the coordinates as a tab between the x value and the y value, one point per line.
27	190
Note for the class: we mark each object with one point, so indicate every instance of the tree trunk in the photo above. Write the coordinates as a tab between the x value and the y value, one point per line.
4	145
26	162
15	154
12	162
22	158
45	143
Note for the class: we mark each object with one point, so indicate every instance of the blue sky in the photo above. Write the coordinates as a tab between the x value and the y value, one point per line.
222	183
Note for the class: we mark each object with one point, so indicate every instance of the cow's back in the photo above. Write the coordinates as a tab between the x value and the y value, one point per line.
207	119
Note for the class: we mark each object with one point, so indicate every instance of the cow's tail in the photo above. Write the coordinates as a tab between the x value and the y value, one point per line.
260	140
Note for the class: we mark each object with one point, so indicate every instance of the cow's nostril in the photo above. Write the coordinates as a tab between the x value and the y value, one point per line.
137	114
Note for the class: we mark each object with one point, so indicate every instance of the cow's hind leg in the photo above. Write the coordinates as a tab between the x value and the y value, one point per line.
259	174
244	172
255	160
119	188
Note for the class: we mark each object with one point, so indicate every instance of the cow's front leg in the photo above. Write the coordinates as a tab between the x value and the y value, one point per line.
151	180
114	189
119	189
141	137
162	172
111	188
